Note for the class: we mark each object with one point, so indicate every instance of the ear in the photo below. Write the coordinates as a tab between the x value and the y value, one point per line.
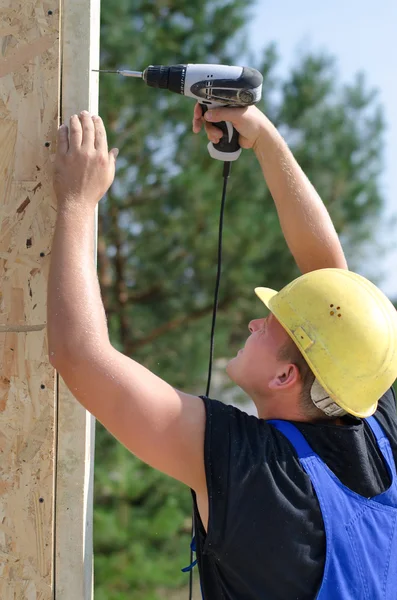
286	377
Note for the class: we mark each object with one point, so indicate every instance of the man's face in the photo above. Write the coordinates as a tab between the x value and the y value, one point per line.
256	364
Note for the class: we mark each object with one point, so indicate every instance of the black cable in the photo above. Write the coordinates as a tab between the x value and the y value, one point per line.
226	173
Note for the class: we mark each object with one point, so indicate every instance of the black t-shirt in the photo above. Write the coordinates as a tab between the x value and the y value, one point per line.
266	538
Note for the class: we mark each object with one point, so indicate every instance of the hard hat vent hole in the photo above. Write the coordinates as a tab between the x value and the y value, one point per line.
332	312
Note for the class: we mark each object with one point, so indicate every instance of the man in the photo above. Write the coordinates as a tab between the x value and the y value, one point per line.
302	501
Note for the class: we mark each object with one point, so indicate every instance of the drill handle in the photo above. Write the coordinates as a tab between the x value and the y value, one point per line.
227	149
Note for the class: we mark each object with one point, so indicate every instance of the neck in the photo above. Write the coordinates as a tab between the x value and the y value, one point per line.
286	408
289	408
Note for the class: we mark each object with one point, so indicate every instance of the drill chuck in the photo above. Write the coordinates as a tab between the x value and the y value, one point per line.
168	78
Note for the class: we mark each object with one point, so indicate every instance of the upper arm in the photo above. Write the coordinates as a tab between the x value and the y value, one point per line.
159	424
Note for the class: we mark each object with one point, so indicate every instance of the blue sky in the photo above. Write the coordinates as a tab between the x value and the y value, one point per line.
362	35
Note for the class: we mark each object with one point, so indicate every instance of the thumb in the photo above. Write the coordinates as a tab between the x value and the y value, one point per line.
114	153
223	114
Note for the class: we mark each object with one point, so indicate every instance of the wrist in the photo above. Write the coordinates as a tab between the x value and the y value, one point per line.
77	206
267	134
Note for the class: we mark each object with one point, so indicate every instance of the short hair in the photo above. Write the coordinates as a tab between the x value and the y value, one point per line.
289	352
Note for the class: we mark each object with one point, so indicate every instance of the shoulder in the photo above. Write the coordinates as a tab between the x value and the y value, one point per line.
386	414
233	433
227	426
240	448
387	403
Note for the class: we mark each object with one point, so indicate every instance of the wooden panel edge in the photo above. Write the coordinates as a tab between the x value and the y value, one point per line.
76	429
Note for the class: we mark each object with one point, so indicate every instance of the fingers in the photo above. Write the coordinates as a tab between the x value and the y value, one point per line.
198	111
224	114
197	118
88	129
87	132
63	140
76	133
101	142
215	115
214	133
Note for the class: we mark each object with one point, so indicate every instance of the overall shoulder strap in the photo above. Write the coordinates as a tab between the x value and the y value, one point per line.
293	434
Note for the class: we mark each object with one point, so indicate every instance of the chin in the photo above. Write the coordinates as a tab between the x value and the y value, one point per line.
232	369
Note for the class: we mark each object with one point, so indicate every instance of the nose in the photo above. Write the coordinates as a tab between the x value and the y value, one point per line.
255	324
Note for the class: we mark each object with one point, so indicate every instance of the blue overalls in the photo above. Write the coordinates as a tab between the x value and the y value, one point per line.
361	533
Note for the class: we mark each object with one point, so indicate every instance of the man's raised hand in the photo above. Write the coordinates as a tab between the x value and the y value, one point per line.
84	168
248	121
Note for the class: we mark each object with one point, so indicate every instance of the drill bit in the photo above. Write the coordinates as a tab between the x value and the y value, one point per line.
124	72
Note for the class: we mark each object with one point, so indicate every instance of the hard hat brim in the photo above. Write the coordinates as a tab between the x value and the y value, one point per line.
265	294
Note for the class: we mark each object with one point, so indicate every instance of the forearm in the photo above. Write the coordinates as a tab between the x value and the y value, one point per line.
306	224
76	317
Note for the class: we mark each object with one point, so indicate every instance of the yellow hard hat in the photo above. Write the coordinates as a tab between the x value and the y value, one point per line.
346	329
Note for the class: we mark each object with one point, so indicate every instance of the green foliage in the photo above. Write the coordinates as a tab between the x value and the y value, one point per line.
139	513
158	235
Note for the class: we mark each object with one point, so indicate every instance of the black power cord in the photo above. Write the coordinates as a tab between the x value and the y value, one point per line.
226	173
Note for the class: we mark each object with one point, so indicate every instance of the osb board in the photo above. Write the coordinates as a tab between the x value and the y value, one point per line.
29	91
75	462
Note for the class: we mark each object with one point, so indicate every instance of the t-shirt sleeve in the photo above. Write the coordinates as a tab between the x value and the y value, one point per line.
239	451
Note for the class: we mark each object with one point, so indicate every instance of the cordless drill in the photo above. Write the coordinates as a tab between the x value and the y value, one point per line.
212	86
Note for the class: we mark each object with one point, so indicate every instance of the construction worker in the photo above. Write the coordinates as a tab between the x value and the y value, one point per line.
300	503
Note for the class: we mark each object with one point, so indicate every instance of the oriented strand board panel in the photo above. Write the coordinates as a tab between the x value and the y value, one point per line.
75	464
29	92
46	438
